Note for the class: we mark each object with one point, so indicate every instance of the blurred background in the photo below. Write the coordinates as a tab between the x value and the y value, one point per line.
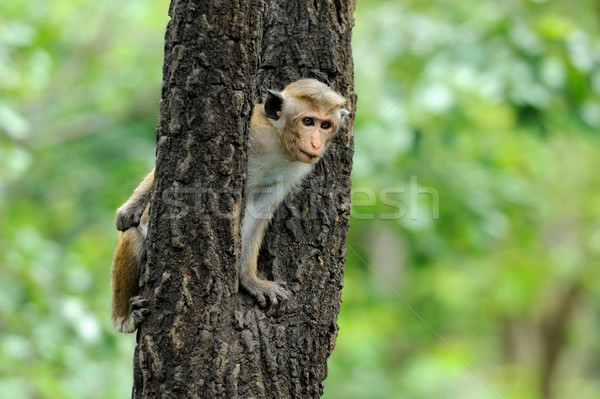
473	251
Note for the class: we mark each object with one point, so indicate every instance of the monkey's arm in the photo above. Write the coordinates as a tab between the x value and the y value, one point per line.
130	212
256	220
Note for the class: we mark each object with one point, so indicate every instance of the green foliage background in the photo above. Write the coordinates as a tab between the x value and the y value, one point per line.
473	254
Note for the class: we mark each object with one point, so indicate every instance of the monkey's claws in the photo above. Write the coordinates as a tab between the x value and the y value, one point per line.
276	293
139	309
138	301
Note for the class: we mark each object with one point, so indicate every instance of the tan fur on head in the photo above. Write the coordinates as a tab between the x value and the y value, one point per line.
318	94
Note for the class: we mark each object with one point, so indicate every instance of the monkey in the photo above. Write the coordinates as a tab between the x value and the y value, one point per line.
289	133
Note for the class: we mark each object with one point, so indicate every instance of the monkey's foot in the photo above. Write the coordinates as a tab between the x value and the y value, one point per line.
138	314
277	294
128	216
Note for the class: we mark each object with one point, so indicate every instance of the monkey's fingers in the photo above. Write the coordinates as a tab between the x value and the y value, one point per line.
279	298
138	301
274	304
263	290
139	311
278	307
139	315
262	302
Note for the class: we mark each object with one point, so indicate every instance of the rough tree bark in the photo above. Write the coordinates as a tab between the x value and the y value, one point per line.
203	339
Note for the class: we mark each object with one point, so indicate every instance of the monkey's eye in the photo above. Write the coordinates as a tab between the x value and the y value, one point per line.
325	125
308	121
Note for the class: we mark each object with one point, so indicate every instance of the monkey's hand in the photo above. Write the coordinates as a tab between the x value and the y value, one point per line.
128	215
262	289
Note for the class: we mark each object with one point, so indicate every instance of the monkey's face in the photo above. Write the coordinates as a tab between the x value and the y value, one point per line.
314	132
306	115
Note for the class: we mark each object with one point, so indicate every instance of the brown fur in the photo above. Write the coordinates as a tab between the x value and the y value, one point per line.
125	273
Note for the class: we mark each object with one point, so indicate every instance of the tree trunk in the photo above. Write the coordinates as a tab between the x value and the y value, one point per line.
202	338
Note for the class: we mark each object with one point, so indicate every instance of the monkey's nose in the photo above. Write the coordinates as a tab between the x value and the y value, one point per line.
315	143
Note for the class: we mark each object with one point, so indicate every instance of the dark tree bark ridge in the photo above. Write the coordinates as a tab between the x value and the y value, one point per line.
202	338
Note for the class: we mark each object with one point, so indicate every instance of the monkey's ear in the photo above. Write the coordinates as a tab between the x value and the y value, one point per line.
344	113
273	104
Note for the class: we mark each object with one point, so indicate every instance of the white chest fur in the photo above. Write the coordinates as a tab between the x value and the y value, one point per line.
275	169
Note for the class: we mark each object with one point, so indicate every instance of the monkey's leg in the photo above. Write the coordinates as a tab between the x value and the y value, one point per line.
128	309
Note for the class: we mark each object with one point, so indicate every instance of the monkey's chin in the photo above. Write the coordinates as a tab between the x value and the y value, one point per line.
307	157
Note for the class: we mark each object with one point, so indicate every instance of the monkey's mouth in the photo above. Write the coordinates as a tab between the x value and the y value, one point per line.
309	155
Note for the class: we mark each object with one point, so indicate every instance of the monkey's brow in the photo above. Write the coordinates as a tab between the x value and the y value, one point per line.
324	116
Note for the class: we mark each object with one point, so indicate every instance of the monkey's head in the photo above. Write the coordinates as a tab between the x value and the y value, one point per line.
307	114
